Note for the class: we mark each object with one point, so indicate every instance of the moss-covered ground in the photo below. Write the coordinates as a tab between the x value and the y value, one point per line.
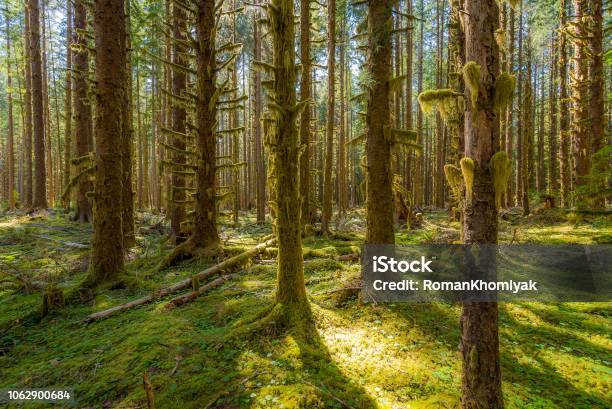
361	356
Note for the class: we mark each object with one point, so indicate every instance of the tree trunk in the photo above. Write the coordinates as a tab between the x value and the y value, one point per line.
553	174
331	116
419	180
541	174
510	113
179	116
379	177
564	135
127	148
285	148
82	110
39	200
481	382
260	172
68	103
526	140
10	158
111	61
27	143
341	172
596	109
520	112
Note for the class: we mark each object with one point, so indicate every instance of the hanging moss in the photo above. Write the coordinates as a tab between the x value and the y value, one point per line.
471	76
513	3
504	90
467	170
454	178
500	168
500	39
446	101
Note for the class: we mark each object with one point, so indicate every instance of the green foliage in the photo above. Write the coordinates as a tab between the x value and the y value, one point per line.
471	76
504	90
501	168
467	170
454	178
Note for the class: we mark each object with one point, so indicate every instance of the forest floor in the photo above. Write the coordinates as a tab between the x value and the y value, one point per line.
404	355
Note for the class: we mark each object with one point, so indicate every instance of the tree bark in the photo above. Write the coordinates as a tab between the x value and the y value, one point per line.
27	143
284	144
127	136
379	177
596	109
331	116
481	381
10	158
68	103
260	172
111	57
82	110
39	200
553	173
564	135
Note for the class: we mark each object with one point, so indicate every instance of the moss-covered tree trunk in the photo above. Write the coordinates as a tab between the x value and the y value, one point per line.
481	380
509	148
10	155
596	70
553	169
326	215
39	195
107	244
127	144
527	135
379	177
204	234
285	147
82	110
541	170
341	169
260	177
520	108
564	135
305	118
179	116
419	179
27	143
68	104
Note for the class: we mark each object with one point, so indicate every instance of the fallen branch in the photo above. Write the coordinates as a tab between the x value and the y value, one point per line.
148	390
186	283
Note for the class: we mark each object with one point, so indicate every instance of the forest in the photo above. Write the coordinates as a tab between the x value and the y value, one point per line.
187	188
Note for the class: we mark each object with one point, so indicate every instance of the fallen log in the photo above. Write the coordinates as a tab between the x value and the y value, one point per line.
185	298
186	283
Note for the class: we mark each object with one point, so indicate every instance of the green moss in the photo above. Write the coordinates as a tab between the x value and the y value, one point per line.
504	90
501	168
471	76
467	170
454	178
446	101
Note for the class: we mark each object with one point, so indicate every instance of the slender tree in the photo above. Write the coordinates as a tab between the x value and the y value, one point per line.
68	103
596	108
257	131
564	135
10	156
28	134
553	173
331	116
39	197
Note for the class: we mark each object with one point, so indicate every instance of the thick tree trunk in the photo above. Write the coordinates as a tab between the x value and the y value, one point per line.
580	98
481	382
564	135
111	58
379	177
285	148
82	110
179	116
39	200
331	116
205	234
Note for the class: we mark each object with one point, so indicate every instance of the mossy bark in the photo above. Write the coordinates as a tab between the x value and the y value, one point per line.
179	115
509	199
600	164
127	144
379	177
107	244
27	143
564	135
260	177
68	104
306	115
326	214
82	110
553	169
481	380
10	157
285	147
39	195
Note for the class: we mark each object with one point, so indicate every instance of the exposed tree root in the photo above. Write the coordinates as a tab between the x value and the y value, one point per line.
189	250
295	318
232	262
